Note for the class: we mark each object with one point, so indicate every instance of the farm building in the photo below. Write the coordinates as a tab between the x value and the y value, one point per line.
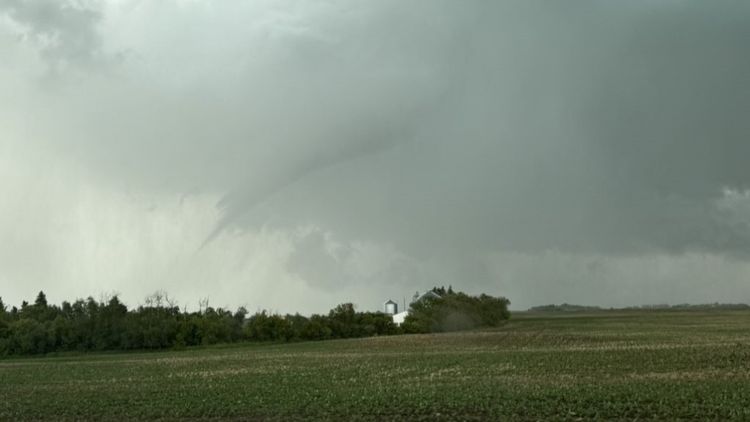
399	317
390	307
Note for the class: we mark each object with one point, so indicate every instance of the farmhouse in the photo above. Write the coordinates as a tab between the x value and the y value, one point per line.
391	307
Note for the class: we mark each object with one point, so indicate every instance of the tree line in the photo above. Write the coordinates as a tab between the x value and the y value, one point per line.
108	324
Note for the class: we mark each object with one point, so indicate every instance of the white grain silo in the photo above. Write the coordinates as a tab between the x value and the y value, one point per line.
391	307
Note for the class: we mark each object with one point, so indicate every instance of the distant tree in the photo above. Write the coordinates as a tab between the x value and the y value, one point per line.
41	300
4	340
188	331
297	325
236	324
376	324
343	321
268	327
110	325
39	311
61	333
454	312
3	329
344	312
317	328
28	336
216	326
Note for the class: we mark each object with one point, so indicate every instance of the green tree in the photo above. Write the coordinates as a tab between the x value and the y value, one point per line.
110	324
343	321
28	336
41	300
268	327
317	328
455	312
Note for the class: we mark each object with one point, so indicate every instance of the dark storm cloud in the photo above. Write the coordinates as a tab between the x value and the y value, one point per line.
443	132
498	125
606	128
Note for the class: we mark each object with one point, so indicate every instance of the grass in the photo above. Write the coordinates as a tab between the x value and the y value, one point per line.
608	365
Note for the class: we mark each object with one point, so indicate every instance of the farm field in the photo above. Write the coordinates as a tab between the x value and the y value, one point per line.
608	365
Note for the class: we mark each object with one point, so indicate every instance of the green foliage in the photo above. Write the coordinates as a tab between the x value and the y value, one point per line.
317	328
635	365
41	300
28	336
265	327
108	324
453	311
90	325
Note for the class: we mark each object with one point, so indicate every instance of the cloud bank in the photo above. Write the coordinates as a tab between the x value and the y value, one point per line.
388	146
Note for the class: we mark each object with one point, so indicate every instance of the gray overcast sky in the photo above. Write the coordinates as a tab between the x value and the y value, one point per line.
292	155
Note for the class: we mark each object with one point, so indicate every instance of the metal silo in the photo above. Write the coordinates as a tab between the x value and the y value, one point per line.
391	307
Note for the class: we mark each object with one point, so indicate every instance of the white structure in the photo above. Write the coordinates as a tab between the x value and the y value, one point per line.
391	307
398	318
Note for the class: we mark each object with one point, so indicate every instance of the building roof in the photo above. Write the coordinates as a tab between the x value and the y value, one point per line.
390	302
428	294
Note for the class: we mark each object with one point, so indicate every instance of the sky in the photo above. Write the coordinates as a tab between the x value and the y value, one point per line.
291	155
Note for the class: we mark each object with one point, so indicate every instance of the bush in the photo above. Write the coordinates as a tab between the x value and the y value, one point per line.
456	312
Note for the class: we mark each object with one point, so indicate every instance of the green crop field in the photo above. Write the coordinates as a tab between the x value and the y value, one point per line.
627	365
